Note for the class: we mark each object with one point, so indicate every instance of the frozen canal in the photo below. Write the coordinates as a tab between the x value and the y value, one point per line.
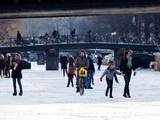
46	97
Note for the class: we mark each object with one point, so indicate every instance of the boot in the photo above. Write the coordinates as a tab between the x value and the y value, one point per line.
20	94
110	96
124	95
14	94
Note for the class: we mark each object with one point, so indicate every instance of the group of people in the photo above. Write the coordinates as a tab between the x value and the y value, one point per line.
5	62
71	66
13	63
86	61
126	69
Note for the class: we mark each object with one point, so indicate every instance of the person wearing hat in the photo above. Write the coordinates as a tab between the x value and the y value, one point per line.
109	73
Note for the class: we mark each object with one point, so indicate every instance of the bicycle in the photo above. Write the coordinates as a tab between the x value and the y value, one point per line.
82	75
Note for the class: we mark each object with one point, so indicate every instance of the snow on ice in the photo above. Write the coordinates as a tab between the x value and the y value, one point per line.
46	97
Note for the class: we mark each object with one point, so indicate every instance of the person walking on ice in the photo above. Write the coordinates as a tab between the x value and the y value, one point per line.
127	67
17	74
71	74
110	73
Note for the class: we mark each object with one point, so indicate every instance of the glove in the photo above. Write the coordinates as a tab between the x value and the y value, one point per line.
134	73
101	79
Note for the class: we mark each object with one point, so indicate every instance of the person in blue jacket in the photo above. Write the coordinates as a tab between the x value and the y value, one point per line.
110	73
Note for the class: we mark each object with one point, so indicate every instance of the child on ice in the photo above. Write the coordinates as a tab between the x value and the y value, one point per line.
110	73
71	74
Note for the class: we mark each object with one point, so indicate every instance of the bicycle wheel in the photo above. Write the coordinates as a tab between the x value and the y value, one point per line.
81	86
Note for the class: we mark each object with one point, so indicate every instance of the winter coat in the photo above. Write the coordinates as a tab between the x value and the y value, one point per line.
2	64
99	60
81	62
64	62
124	67
110	73
7	62
71	61
17	73
71	72
91	68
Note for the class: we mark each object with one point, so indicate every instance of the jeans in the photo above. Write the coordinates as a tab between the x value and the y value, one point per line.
19	83
109	87
127	78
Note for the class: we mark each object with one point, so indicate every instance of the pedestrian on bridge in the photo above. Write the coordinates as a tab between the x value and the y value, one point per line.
19	40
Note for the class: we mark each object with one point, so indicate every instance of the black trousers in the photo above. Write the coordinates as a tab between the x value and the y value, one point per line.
19	83
99	66
7	72
64	72
70	80
127	79
109	87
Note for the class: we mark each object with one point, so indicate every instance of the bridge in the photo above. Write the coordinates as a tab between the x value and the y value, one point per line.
37	9
93	45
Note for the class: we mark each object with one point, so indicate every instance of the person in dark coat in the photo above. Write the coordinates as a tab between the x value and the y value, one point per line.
17	74
2	65
7	65
81	61
19	39
99	62
91	71
126	67
64	63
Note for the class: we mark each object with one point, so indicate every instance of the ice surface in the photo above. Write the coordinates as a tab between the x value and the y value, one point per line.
46	97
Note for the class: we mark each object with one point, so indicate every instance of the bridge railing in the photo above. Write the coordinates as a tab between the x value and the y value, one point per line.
68	39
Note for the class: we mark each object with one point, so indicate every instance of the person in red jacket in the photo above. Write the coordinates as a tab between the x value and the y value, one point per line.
71	74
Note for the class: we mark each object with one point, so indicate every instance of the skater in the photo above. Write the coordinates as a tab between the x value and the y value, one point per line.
2	65
71	61
17	74
99	62
71	74
81	61
64	62
91	71
7	65
110	72
126	67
